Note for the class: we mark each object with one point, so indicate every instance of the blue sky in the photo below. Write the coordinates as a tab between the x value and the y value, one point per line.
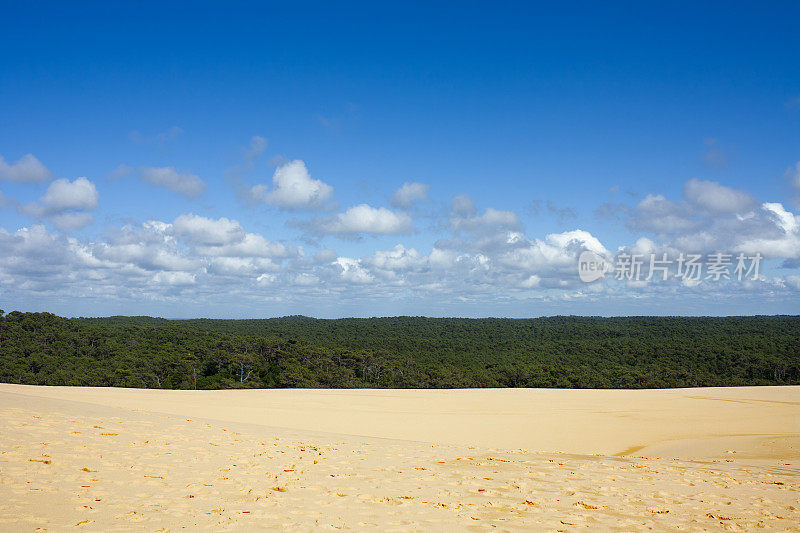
242	162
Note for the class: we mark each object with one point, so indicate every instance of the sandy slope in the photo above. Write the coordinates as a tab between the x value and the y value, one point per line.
118	459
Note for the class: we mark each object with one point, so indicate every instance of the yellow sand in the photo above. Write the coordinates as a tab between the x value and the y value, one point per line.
458	460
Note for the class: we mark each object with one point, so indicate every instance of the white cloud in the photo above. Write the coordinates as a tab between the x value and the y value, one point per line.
251	245
186	184
293	188
494	217
578	240
174	278
364	219
148	247
463	206
265	280
34	258
480	255
225	238
787	221
656	213
442	259
63	195
531	282
714	197
72	221
305	279
352	271
27	169
715	218
199	259
398	259
324	256
207	231
552	259
241	266
410	193
706	207
65	203
643	246
782	242
146	256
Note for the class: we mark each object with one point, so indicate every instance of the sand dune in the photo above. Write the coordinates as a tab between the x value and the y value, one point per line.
552	460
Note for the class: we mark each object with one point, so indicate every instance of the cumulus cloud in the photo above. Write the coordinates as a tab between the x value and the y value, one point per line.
481	254
716	198
442	258
656	213
325	255
398	259
188	185
577	240
781	240
153	261
71	221
551	260
148	247
34	259
174	278
363	219
207	231
712	218
463	206
63	195
352	271
193	251
199	259
409	193
27	169
292	188
304	279
251	245
66	203
704	205
224	238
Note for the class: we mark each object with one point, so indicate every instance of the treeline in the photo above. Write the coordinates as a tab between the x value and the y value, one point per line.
399	352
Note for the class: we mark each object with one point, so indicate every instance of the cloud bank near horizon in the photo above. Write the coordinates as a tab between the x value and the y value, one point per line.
472	254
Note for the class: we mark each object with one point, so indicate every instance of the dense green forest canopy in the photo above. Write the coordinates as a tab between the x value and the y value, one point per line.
403	352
